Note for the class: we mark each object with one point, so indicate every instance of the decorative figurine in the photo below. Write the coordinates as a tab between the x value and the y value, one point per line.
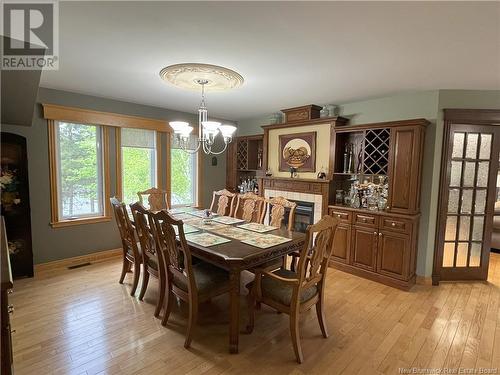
322	174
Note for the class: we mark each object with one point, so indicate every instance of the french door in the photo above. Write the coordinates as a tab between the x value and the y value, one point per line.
467	198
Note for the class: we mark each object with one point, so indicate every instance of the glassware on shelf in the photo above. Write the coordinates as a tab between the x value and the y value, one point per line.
339	197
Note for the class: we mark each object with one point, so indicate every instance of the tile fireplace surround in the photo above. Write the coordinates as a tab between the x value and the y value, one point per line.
305	190
317	199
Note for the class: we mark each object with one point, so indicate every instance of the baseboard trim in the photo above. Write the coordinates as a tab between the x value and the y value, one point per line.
96	257
424	280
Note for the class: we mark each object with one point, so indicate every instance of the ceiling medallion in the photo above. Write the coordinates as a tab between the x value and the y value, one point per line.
189	76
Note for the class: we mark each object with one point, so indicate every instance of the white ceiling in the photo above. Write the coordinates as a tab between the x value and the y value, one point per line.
290	53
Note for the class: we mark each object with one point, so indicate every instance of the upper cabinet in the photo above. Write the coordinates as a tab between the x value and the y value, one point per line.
244	160
405	169
384	153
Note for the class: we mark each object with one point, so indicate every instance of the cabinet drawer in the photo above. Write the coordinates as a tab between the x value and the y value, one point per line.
396	224
366	219
343	216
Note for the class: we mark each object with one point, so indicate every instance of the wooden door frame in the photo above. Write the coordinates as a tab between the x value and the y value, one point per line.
475	118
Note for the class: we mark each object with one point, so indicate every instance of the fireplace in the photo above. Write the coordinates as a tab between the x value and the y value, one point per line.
304	215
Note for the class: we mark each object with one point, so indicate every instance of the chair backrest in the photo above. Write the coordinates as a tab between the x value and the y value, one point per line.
224	200
143	229
249	207
157	199
176	254
317	249
125	227
278	206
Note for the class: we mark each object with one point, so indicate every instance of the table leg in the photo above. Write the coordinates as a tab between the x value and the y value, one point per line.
234	320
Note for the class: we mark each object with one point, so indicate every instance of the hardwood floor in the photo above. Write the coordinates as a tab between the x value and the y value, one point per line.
82	321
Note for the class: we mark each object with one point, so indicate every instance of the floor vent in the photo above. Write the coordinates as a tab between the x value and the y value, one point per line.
79	265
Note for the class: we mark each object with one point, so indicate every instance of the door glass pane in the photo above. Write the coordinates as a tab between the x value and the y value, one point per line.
471	150
458	145
466	201
469	171
485	149
451	228
462	249
482	173
477	230
453	201
480	201
449	253
463	233
475	255
456	173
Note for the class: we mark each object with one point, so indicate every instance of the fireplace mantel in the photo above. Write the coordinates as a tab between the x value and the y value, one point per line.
299	185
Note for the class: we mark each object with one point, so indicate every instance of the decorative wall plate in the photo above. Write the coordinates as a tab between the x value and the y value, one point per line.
189	76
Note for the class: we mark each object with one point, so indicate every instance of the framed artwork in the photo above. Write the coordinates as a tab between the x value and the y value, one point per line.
298	151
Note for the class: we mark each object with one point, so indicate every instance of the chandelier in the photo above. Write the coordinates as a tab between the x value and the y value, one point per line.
194	76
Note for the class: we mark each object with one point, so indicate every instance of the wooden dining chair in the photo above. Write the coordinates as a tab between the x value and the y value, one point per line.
276	208
249	207
192	283
151	259
225	200
131	249
295	292
157	199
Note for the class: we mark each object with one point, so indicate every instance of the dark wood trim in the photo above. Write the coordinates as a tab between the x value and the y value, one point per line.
472	116
325	120
456	120
387	124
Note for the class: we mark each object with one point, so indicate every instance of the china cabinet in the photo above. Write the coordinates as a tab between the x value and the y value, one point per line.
379	243
244	160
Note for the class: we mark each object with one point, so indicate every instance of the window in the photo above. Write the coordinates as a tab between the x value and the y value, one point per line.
183	177
138	155
77	171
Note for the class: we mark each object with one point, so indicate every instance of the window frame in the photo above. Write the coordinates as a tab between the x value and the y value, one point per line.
197	187
119	165
56	219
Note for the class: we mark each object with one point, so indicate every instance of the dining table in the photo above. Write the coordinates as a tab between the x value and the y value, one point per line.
236	256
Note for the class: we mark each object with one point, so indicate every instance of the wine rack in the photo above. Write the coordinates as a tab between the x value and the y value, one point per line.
376	152
242	154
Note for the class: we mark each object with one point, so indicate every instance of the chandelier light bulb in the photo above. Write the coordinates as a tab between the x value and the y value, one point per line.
179	126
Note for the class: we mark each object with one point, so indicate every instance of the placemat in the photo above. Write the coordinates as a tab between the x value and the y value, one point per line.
228	220
236	233
206	239
198	223
260	228
266	240
187	229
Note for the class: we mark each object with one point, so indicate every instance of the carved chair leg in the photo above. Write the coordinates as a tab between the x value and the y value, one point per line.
251	312
294	331
137	273
125	268
193	315
144	286
321	318
161	296
168	306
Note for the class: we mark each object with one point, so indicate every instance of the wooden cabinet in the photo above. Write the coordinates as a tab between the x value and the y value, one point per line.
393	253
364	247
342	244
377	245
383	244
405	167
244	160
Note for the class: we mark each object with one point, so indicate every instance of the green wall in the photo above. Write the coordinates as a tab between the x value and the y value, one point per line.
52	244
425	104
